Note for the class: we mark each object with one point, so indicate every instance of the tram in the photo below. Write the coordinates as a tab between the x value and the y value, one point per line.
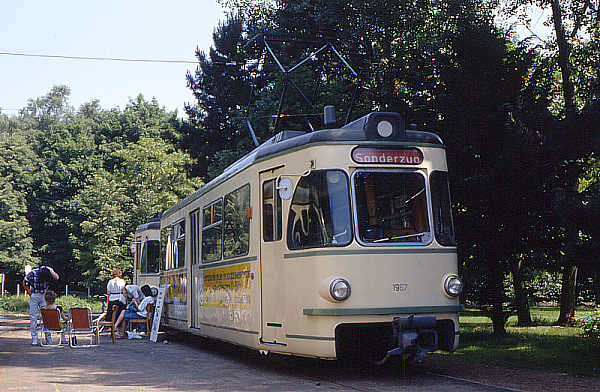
332	244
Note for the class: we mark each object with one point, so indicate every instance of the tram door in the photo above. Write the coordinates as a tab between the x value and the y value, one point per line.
196	277
271	261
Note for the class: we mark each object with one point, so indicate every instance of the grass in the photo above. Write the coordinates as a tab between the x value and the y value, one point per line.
542	346
12	304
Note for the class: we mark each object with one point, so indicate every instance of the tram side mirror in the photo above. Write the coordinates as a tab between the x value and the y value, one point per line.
286	188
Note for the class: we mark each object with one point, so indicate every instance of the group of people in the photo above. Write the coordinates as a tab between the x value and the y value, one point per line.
131	300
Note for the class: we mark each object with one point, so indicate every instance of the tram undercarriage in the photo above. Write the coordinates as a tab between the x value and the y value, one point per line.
410	337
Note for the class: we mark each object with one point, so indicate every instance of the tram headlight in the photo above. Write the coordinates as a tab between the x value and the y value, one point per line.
453	286
339	289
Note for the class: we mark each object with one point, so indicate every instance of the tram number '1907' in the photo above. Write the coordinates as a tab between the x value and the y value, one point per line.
399	287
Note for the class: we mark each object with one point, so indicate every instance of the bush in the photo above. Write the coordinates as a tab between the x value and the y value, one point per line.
20	304
590	325
71	301
12	303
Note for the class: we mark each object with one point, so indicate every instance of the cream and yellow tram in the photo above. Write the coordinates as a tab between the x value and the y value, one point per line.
323	244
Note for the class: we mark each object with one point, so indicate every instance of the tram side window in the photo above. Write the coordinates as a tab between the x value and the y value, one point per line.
150	257
442	214
320	211
236	230
271	212
153	256
212	236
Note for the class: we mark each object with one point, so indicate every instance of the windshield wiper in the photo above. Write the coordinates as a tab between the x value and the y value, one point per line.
401	236
415	196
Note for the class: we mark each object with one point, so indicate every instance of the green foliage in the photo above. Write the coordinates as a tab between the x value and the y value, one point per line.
149	176
18	171
546	286
72	301
590	325
12	303
20	304
75	184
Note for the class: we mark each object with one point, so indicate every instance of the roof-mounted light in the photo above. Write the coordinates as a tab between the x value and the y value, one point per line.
385	128
382	125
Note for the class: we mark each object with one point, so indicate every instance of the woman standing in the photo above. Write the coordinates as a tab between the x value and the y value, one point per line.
114	289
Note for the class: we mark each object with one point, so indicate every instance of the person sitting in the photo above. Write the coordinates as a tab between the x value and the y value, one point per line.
132	291
137	309
50	297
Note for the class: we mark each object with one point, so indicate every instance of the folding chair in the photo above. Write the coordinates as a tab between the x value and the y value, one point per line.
109	323
51	323
81	324
147	320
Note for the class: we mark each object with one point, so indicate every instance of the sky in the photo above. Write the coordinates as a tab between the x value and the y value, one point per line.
129	29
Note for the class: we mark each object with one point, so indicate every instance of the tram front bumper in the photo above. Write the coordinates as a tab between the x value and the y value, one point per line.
415	335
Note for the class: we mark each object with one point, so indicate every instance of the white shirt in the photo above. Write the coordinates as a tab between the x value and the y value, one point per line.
134	291
115	287
142	306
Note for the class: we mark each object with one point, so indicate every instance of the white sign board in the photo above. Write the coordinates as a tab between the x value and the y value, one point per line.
160	299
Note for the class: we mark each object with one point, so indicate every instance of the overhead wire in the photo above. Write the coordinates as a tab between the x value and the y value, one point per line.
64	57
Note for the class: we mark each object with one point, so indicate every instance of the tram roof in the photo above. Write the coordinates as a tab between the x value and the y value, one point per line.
289	141
152	223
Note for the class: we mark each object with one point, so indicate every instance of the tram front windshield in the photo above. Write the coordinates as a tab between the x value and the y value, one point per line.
391	208
320	211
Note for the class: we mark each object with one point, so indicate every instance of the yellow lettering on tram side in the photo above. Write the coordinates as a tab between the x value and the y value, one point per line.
177	291
227	287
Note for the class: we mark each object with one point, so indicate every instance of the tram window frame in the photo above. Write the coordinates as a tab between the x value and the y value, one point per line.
143	259
195	235
150	256
138	258
165	245
445	234
239	246
275	219
305	219
427	236
178	245
210	227
153	262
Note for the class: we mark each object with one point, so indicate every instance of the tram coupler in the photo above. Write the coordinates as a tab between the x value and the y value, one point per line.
415	336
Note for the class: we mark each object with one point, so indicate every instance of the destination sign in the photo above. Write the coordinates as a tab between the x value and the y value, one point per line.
407	156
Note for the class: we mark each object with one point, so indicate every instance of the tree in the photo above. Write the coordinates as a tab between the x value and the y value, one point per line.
18	168
571	134
149	176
